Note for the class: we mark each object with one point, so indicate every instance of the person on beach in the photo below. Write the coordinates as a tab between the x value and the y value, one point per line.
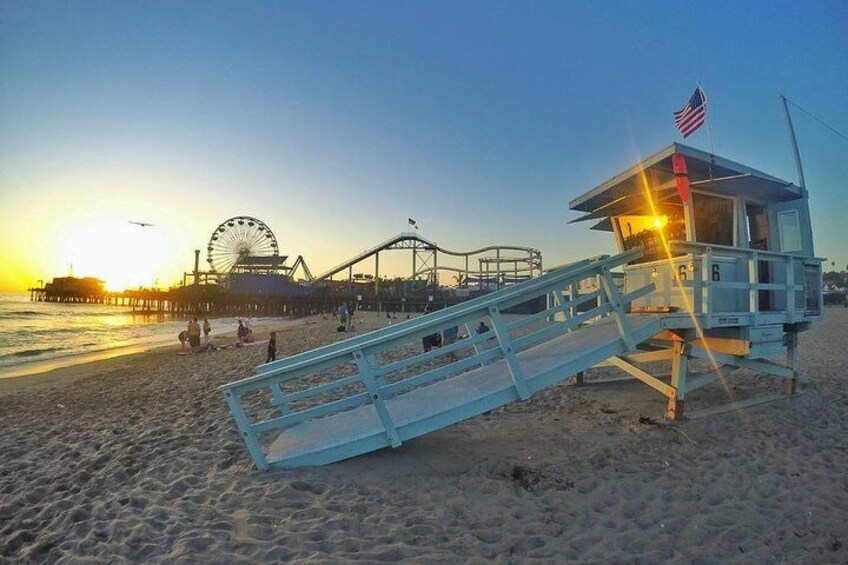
207	329
482	328
351	309
272	348
183	337
431	341
194	334
242	332
343	315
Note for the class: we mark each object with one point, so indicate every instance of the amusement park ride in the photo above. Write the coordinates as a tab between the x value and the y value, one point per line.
719	271
244	249
244	246
497	266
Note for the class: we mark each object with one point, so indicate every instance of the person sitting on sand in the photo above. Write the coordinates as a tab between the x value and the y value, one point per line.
194	334
272	348
242	332
482	328
207	329
431	341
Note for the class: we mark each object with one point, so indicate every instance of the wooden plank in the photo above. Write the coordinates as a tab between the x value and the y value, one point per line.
558	328
442	372
723	345
757	366
368	376
663	388
648	356
310	413
322	389
614	299
703	413
587	347
247	434
279	399
700	380
506	346
560	308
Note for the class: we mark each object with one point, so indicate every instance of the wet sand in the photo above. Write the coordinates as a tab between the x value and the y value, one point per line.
136	459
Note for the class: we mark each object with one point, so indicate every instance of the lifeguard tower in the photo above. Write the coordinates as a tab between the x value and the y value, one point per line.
718	265
729	250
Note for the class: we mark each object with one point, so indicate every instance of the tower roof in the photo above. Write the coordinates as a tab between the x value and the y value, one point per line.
625	192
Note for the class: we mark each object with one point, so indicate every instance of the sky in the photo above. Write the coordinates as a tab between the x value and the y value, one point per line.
334	122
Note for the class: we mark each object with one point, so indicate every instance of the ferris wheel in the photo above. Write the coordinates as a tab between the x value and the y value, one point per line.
237	239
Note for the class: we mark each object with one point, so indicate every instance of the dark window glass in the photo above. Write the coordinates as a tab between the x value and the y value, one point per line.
713	219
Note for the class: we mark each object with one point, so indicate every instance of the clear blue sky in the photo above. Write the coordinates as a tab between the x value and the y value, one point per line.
335	121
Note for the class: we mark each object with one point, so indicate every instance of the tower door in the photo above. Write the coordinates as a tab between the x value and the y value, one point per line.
758	238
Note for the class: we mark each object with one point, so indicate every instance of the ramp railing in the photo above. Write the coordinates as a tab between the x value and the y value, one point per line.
375	367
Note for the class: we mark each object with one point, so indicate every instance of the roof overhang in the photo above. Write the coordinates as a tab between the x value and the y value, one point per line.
706	172
260	261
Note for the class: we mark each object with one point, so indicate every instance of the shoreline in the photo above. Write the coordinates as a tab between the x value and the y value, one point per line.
20	376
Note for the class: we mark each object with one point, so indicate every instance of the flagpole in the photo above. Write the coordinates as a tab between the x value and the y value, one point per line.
801	184
707	120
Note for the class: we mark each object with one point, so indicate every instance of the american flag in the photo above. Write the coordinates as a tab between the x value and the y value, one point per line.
413	223
693	114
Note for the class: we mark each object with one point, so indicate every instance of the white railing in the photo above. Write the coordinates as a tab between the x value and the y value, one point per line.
367	369
783	284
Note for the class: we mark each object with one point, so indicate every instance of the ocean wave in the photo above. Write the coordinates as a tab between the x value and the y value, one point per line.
21	314
32	352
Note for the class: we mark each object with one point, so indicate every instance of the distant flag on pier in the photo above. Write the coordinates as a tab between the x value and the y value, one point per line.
413	223
692	115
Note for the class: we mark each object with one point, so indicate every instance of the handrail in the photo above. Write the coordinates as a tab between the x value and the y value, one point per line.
432	322
750	283
501	344
738	252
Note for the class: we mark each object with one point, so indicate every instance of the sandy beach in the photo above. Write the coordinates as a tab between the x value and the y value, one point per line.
136	459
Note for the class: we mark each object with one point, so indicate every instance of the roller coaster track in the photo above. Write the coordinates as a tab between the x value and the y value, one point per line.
532	257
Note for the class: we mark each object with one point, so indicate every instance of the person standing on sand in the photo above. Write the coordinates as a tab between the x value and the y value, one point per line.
351	309
207	329
343	315
272	348
194	334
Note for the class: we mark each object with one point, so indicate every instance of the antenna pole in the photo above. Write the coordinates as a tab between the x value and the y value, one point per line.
801	184
707	119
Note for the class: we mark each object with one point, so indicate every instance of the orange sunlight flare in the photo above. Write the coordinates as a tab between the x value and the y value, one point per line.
699	332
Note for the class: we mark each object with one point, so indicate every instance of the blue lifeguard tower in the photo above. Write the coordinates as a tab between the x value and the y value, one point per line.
717	266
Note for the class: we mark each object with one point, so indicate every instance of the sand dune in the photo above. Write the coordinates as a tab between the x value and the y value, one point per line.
136	459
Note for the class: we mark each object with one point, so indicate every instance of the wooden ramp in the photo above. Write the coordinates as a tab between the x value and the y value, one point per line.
368	392
429	408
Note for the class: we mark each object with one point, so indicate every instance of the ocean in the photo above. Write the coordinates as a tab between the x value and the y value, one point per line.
35	332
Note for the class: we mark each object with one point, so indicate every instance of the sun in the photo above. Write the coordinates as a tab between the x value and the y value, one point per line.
124	255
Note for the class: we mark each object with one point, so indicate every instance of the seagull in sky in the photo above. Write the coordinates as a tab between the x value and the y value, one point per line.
142	224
